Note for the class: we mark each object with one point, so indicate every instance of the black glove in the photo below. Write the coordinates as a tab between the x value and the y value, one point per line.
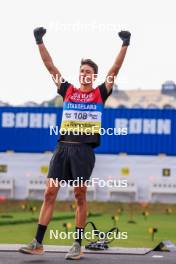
125	37
38	34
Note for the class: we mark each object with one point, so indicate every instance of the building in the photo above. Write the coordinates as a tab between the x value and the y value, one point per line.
140	98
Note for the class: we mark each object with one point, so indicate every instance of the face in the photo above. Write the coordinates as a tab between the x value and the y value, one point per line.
86	75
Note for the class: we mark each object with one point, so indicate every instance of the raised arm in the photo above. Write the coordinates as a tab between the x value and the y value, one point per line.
125	37
46	58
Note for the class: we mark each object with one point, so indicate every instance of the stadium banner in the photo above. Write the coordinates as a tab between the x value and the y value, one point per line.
131	131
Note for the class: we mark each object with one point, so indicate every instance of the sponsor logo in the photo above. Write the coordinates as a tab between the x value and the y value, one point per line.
144	126
28	120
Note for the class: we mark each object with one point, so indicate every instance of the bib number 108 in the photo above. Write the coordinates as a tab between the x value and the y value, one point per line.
80	115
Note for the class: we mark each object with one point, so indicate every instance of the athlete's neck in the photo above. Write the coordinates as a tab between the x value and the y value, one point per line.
86	88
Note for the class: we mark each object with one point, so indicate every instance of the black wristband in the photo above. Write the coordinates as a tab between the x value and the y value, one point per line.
126	43
39	40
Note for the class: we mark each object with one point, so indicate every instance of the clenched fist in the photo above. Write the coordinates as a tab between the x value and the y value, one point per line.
125	37
38	34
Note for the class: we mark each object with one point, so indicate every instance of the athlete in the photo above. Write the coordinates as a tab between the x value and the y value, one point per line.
74	157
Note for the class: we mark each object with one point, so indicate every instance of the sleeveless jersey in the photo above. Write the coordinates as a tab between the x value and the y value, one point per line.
82	114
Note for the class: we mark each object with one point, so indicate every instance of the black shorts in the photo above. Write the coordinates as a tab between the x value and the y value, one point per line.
71	161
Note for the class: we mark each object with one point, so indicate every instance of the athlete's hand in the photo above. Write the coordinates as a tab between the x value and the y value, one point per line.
38	34
125	37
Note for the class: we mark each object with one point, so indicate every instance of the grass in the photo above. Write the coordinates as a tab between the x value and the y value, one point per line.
138	234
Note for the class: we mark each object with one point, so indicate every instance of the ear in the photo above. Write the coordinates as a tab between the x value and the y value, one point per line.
95	75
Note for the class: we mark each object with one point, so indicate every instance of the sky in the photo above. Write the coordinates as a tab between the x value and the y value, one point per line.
85	29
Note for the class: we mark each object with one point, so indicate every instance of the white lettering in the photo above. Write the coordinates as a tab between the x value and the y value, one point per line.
49	120
21	120
144	126
135	126
164	126
35	120
8	119
149	126
55	130
53	234
32	120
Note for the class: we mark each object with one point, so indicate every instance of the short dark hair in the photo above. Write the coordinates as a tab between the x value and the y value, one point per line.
91	64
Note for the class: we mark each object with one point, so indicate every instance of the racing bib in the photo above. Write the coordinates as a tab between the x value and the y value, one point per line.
82	112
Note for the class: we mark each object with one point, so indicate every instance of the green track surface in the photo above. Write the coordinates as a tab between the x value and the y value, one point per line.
138	233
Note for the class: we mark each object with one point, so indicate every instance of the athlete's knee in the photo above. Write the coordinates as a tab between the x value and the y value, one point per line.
50	194
80	195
